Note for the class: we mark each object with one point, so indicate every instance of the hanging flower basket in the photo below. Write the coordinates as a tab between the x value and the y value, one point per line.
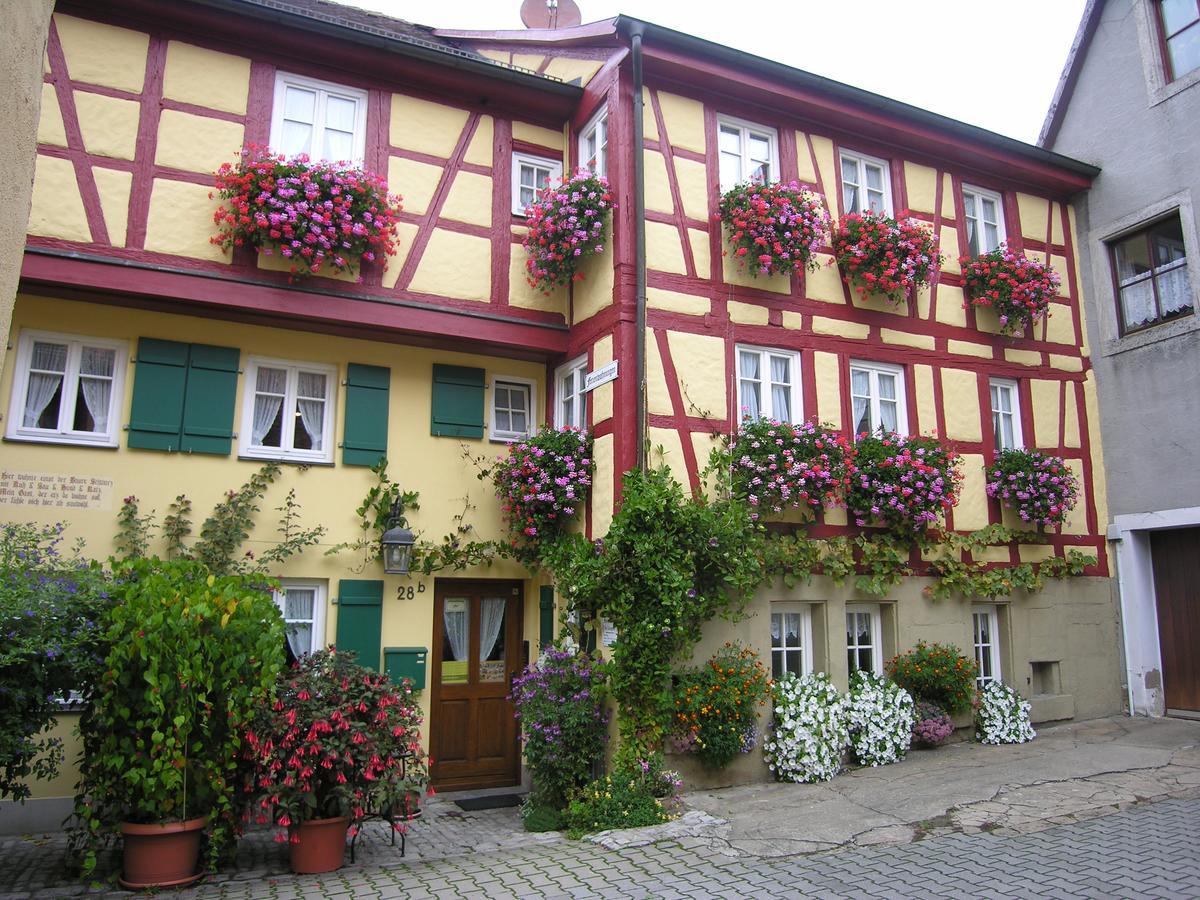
881	255
779	464
1039	487
1017	287
542	481
322	218
903	483
773	228
567	224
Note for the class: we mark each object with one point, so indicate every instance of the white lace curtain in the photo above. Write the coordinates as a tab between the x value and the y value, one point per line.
781	388
748	384
457	623
98	363
310	401
52	360
268	399
298	612
491	617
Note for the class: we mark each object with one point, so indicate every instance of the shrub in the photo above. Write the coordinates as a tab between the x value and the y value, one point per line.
778	464
566	225
716	706
541	482
1001	716
1041	488
319	216
879	254
904	483
931	725
560	702
642	794
1017	287
49	607
936	673
881	717
810	731
538	819
774	228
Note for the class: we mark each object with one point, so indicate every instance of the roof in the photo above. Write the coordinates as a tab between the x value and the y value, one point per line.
1070	73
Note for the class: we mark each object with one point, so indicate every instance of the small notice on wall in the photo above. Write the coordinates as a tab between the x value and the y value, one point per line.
50	491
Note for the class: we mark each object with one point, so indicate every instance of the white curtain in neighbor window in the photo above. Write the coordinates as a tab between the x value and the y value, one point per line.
51	360
491	617
298	605
97	391
311	404
860	388
1174	292
781	388
748	367
456	618
267	402
887	401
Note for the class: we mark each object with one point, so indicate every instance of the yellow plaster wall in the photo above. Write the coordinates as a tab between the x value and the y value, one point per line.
424	126
735	273
522	294
658	188
747	313
534	134
602	484
921	184
971	512
667	449
673	301
950	309
804	165
926	408
1060	326
649	123
1034	213
906	338
823	151
824	283
455	265
196	143
470	199
206	77
960	397
595	291
63	784
700	367
684	120
480	150
1071	419
826	373
108	125
57	208
840	328
1045	411
415	182
700	251
406	233
51	129
568	69
103	54
601	398
658	399
114	186
663	250
180	220
692	178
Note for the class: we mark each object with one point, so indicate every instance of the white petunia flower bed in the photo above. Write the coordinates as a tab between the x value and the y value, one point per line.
1002	716
810	732
881	717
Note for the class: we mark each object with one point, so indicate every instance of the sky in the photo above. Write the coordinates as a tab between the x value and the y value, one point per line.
992	63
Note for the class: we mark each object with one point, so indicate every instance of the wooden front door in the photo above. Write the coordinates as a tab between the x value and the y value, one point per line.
477	652
1176	557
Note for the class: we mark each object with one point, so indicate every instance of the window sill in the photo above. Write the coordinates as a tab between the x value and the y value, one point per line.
285	460
60	441
1152	334
508	439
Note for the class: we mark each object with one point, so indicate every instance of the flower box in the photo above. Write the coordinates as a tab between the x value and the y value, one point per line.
773	228
878	254
566	225
1018	288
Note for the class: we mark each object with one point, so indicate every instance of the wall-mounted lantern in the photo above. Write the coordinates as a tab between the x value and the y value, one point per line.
397	542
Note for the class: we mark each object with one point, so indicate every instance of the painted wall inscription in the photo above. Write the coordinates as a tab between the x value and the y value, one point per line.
46	490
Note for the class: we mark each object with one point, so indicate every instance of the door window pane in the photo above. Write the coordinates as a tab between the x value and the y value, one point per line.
456	640
491	639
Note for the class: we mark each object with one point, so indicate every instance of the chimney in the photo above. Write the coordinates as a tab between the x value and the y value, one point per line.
550	13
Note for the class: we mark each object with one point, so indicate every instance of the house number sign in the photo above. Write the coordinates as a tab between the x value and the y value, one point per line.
408	591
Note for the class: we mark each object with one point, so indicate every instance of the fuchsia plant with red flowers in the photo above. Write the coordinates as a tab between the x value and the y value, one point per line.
543	481
1041	488
323	218
778	464
904	483
339	740
881	255
774	228
1017	287
566	225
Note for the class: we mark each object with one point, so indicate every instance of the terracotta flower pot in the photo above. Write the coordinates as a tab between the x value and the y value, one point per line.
162	854
318	845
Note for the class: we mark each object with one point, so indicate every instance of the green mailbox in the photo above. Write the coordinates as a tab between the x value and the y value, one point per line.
406	662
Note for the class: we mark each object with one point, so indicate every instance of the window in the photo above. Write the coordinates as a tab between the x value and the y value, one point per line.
747	152
791	639
529	175
512	408
877	397
1180	21
863	652
570	406
326	121
302	604
67	389
1150	268
769	384
593	144
985	220
987	642
287	411
866	184
1006	414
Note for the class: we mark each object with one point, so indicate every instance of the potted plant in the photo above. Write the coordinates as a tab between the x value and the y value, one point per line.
541	482
1018	288
716	706
773	228
903	483
1040	487
779	464
566	224
187	659
321	217
882	255
338	741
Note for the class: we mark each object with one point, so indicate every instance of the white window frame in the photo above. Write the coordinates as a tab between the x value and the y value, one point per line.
530	387
285	453
992	648
597	127
745	129
323	89
979	195
876	645
806	641
17	431
542	162
874	369
766	398
577	369
319	589
1010	386
861	160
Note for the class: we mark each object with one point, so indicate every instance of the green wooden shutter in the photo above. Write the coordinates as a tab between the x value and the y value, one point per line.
457	401
360	619
546	616
159	382
366	434
209	399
